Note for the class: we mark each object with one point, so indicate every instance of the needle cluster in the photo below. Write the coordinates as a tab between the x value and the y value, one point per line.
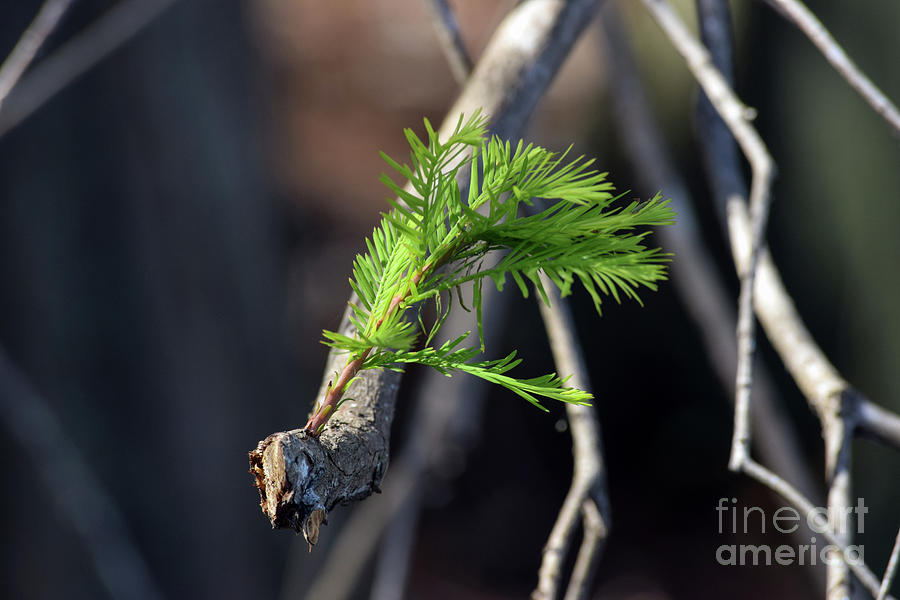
436	238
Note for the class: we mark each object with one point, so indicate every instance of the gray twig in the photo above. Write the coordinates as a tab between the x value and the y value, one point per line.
694	276
790	493
587	496
878	423
78	55
836	404
27	47
737	117
797	13
891	570
447	29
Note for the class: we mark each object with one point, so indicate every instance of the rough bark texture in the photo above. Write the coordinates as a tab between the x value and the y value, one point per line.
301	478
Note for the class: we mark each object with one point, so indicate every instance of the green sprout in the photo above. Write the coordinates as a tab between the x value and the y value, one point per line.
434	240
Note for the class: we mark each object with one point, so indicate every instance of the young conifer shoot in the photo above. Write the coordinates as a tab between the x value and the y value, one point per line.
436	238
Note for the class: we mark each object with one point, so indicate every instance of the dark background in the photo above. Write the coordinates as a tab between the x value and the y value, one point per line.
177	226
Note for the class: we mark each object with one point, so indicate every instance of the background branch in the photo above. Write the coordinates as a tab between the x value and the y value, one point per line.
587	496
122	22
890	570
736	116
797	13
447	29
27	47
694	275
826	391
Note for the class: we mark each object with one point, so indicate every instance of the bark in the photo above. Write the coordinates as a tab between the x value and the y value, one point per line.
301	478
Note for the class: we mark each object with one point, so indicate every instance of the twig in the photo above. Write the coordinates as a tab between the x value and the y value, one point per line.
512	74
694	276
92	512
32	39
736	116
797	13
838	447
520	60
587	495
876	422
447	29
891	570
789	493
99	40
834	402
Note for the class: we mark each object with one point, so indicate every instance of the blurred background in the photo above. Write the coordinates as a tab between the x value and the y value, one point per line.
178	225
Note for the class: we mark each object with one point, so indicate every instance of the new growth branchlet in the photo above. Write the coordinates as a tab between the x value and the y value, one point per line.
436	238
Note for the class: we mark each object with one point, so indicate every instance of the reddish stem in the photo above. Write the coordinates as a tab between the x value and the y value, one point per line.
336	389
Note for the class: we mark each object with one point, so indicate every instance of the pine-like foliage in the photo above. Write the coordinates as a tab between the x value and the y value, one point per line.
435	239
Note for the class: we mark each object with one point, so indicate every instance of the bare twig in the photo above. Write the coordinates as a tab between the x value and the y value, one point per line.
891	570
876	422
520	60
28	45
789	493
587	495
834	402
91	511
694	276
797	13
447	29
736	116
99	40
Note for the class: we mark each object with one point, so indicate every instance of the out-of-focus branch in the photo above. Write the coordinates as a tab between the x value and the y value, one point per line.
790	493
797	13
447	29
90	510
27	47
694	275
514	71
877	423
890	571
835	403
75	57
737	117
520	61
587	496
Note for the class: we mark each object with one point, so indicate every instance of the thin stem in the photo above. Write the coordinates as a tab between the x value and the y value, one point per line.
335	393
878	423
838	445
737	117
28	45
801	503
797	13
587	496
891	570
447	29
81	53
